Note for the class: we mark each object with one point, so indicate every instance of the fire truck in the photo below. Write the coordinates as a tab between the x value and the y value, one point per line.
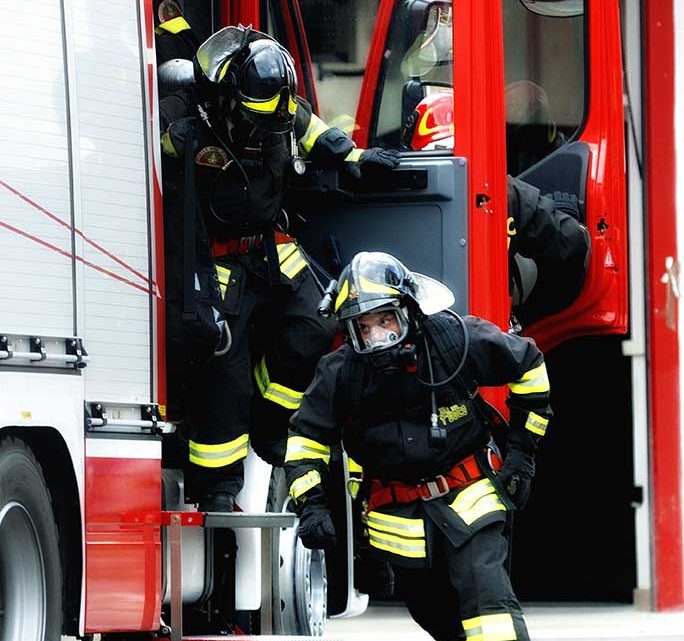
95	535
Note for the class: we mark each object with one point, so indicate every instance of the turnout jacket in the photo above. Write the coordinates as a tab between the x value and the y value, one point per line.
388	435
230	209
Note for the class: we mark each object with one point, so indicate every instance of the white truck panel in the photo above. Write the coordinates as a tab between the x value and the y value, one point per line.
35	199
110	143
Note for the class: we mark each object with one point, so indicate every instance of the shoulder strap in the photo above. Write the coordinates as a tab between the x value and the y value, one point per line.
442	330
352	385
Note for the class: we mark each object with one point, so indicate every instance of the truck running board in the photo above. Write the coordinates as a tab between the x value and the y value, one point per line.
266	522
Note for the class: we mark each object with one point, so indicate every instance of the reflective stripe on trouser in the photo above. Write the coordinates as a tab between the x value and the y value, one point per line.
466	592
219	454
490	627
289	398
477	500
397	535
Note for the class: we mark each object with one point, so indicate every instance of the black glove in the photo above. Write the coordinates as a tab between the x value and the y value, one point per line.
566	202
374	158
316	529
516	476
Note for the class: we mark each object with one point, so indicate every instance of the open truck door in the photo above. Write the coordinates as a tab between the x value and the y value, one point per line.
536	92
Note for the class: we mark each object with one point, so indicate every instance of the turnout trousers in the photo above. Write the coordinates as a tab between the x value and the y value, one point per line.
249	393
466	593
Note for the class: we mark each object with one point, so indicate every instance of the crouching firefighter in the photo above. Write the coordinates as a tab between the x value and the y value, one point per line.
248	132
401	396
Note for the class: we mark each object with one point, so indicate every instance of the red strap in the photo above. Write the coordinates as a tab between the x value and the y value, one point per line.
462	474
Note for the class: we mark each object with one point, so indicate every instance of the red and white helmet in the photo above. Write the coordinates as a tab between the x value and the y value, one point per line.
431	124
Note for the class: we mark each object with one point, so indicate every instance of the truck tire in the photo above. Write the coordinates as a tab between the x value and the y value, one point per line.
30	567
300	575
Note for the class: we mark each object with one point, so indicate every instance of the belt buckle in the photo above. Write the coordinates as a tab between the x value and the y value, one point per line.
435	488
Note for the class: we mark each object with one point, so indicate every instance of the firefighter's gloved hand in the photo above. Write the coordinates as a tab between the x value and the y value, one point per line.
316	529
516	475
566	202
374	158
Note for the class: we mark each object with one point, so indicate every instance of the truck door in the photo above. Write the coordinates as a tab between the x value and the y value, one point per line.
547	107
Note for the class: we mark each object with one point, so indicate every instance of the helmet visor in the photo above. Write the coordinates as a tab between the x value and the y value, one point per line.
213	53
378	330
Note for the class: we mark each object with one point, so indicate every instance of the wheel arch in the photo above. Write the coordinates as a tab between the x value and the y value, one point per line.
53	455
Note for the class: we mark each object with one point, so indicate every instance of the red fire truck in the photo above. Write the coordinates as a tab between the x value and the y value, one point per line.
92	507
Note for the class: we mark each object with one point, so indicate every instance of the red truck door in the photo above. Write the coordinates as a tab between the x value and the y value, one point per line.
535	91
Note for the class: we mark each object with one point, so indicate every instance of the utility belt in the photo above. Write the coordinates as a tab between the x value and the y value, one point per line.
246	244
465	472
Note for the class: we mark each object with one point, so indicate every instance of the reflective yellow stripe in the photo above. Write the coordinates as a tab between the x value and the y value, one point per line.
304	483
490	627
219	454
375	288
413	528
342	296
263	106
536	423
292	105
313	131
301	448
285	250
533	381
353	466
289	398
294	264
414	549
223	274
167	145
224	69
354	155
476	501
175	25
345	122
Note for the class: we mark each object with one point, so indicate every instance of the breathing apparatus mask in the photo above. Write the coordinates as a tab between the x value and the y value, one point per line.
378	301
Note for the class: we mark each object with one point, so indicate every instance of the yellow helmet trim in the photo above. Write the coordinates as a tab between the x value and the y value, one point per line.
291	105
342	296
266	106
376	288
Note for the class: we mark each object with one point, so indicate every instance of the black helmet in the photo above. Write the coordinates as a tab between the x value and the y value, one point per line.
375	282
250	72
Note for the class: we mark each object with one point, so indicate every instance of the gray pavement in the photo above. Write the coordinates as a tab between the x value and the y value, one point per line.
577	622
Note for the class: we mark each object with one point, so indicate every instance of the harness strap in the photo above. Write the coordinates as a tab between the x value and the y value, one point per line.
464	473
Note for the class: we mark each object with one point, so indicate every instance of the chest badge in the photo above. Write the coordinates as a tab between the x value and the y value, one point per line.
452	414
211	156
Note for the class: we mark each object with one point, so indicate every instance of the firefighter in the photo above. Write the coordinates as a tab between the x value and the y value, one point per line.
249	134
174	37
401	396
548	244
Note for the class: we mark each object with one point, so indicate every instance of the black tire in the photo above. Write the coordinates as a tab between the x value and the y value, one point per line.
30	567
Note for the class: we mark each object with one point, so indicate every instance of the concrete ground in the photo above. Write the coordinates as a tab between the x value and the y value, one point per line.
549	623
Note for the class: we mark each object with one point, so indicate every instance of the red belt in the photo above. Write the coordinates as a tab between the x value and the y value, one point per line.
462	474
245	244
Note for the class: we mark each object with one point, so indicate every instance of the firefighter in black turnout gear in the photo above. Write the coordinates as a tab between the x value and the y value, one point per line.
401	396
248	132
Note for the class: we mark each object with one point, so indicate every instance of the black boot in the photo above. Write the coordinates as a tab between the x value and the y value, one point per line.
216	502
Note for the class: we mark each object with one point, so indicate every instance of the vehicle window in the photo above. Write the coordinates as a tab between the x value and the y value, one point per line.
418	64
339	33
545	81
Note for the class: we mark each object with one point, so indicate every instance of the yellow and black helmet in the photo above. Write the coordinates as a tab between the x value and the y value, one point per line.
375	279
252	72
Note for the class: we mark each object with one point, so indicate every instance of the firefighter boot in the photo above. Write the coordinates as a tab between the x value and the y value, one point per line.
217	502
